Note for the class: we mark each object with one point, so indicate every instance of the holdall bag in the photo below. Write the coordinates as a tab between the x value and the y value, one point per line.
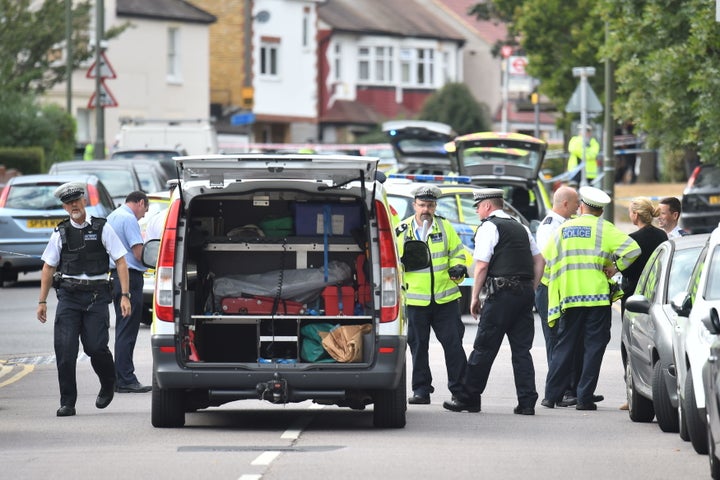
344	343
258	305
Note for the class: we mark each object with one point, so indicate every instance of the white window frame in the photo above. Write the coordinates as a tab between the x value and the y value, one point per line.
174	64
417	67
269	59
376	64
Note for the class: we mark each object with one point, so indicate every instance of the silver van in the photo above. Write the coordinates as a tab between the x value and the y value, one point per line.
278	279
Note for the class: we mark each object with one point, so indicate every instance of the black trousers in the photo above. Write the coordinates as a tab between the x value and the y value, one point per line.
507	312
126	328
82	316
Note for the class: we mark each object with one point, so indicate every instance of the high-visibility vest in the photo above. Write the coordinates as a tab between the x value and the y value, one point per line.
446	251
575	258
575	148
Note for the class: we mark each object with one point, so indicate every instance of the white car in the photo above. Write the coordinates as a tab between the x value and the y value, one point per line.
692	342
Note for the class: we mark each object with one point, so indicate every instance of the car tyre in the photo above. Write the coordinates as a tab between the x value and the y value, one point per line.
666	414
167	409
697	429
682	424
640	408
712	456
391	405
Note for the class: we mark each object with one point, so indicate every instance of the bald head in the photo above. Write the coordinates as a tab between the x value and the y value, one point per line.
566	201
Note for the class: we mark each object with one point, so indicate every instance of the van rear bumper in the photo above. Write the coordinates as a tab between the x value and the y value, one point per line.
304	380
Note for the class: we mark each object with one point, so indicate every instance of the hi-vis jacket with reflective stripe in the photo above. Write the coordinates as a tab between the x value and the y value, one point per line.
575	257
446	250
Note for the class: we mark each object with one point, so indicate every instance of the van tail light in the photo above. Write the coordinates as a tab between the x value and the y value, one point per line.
93	195
691	180
165	266
389	283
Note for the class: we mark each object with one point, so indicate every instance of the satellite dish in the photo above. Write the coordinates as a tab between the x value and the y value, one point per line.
262	16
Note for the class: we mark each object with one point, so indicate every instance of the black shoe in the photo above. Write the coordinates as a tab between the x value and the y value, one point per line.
597	398
65	411
133	388
586	406
567	401
547	403
456	405
524	410
419	400
105	396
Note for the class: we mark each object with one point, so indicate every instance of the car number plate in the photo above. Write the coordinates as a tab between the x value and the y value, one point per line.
714	199
43	222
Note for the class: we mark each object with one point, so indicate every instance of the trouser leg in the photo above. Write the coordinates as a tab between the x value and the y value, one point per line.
449	330
66	333
490	333
419	341
521	333
126	328
549	333
597	336
569	328
95	336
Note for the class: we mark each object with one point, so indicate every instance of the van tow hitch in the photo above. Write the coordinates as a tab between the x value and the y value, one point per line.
275	391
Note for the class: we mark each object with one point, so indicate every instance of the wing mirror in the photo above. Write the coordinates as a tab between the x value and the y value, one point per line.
416	255
637	304
712	321
682	304
150	252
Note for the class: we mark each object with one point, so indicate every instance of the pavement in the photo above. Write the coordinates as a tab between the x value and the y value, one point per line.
624	193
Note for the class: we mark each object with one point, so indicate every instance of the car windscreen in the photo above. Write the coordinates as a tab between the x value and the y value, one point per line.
117	182
709	176
682	266
712	289
33	197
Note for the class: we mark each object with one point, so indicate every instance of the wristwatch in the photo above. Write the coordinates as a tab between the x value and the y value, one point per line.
126	294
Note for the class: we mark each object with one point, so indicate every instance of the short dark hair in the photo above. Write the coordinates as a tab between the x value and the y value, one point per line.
673	203
136	196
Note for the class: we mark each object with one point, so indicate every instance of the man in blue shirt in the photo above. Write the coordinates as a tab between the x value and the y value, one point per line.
124	220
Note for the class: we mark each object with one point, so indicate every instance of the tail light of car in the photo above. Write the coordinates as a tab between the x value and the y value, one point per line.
693	177
390	285
93	195
165	266
4	195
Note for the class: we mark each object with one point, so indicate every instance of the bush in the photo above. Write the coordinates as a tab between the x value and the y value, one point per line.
26	160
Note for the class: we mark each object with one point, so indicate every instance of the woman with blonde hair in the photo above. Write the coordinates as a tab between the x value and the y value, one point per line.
641	212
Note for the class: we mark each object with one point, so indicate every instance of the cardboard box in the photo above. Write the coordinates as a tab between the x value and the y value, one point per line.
332	296
310	218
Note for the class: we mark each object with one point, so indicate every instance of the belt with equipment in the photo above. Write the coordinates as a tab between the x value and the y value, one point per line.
495	284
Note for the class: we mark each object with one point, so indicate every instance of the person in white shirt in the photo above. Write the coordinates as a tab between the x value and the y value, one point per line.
670	209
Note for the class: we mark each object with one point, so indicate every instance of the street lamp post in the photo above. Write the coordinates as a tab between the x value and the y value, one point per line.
99	150
583	73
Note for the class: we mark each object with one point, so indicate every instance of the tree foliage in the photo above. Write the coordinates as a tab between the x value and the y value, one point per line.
455	105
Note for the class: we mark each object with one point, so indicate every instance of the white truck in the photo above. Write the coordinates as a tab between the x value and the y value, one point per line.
196	136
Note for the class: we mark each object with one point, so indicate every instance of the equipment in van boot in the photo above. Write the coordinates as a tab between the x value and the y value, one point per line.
257	305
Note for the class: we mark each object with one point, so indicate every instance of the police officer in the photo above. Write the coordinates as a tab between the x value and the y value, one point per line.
79	250
509	264
579	257
432	294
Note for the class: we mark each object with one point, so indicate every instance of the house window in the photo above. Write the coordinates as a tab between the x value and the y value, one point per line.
417	67
269	56
173	54
337	63
375	65
306	27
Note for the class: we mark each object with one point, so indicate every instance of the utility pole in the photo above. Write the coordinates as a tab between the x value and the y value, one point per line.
68	55
99	149
609	161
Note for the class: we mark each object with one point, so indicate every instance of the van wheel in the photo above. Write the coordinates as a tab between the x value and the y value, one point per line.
391	405
167	408
667	415
640	408
695	423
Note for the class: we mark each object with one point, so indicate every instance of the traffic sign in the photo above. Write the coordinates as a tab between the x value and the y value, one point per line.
106	98
506	51
106	70
517	66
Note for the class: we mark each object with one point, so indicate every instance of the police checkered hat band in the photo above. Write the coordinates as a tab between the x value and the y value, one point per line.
429	193
67	192
485	193
594	197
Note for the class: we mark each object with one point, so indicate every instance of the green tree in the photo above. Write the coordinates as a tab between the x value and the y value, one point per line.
455	105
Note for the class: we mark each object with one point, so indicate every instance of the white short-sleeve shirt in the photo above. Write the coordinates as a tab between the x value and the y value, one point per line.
487	237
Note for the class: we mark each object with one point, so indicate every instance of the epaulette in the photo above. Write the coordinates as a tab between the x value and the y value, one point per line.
400	229
548	220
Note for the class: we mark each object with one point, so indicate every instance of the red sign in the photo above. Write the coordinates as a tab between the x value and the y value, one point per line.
106	70
506	51
517	65
106	98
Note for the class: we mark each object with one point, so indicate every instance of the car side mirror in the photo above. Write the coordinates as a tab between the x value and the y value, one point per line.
712	322
681	304
416	255
150	252
637	304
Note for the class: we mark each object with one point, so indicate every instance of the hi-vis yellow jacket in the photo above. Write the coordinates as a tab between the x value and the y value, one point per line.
591	153
575	257
446	250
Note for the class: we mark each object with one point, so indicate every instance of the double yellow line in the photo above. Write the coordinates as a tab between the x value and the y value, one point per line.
13	372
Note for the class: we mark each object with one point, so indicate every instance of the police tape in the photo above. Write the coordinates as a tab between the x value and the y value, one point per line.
18	254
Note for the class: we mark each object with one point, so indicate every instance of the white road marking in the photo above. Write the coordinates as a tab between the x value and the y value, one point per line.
265	458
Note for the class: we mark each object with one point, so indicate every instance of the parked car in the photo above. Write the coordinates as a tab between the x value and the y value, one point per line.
163	155
153	177
711	384
510	161
648	331
258	255
701	200
692	342
29	211
118	176
419	146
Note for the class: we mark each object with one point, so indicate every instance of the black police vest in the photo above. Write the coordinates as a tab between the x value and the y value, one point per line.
512	256
82	249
